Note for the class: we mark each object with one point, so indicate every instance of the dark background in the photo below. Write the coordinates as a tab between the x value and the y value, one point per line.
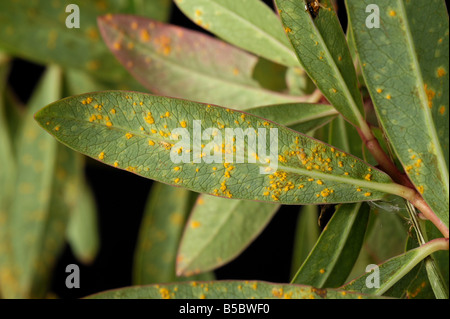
267	258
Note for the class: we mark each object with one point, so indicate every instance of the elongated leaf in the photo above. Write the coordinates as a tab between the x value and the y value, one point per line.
248	24
7	179
322	50
301	117
136	132
226	290
37	32
218	230
178	62
271	75
306	235
82	229
216	244
44	194
160	233
298	81
408	82
337	249
394	269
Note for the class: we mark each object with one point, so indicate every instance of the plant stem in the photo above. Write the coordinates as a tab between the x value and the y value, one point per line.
388	166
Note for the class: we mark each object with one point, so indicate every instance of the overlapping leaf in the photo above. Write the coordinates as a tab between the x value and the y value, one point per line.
333	256
178	62
405	66
44	194
306	234
150	135
161	229
37	31
248	24
229	289
218	230
394	269
323	52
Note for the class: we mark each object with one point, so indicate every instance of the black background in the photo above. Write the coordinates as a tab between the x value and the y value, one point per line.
121	197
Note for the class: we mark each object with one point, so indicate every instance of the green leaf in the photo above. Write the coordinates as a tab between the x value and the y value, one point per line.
159	236
270	75
239	217
301	117
298	82
7	179
248	24
322	50
44	195
178	62
306	234
127	130
392	270
37	32
226	290
155	9
332	258
408	82
82	229
218	230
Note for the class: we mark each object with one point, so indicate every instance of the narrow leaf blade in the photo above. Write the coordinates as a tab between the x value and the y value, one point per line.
174	61
414	59
250	25
322	50
332	258
136	132
218	230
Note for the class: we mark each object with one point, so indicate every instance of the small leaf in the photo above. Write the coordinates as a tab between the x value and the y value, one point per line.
408	82
174	61
392	270
136	132
306	234
159	236
333	256
218	230
250	25
227	290
322	50
82	229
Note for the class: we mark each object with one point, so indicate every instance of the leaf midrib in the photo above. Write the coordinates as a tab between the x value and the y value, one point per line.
390	187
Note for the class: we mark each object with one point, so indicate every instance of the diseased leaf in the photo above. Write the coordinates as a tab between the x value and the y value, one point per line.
306	234
298	82
43	197
248	24
408	81
82	229
151	135
301	117
218	230
37	31
270	75
323	53
174	61
227	289
159	236
338	247
392	270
